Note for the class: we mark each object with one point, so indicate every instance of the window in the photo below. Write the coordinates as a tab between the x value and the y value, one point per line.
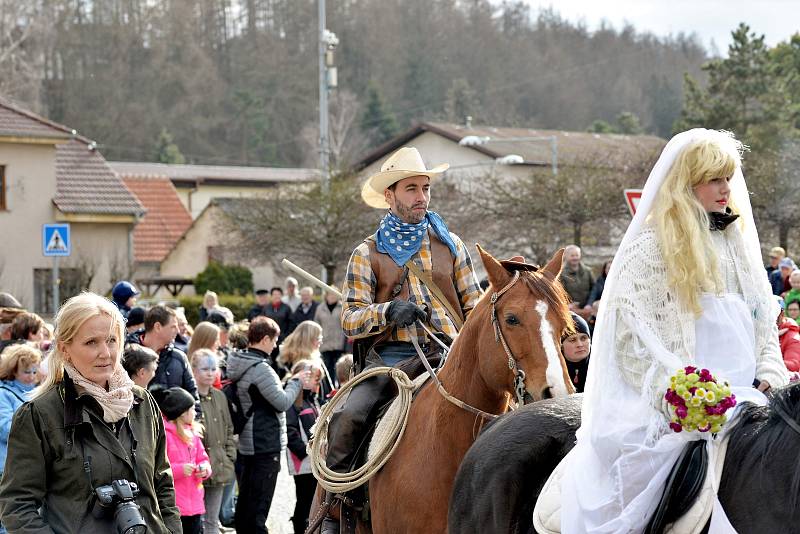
73	281
3	187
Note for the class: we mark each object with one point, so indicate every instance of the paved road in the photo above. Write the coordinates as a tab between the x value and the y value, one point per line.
279	521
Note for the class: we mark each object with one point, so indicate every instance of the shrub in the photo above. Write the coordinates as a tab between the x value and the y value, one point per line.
231	279
238	304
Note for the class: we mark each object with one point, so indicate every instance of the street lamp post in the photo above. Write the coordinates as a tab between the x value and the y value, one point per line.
474	140
327	81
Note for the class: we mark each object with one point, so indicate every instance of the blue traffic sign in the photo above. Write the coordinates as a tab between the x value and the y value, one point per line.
56	240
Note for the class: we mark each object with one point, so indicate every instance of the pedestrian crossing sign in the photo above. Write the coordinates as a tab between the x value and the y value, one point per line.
56	240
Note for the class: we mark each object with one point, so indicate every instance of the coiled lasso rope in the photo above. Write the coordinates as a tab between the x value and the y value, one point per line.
396	422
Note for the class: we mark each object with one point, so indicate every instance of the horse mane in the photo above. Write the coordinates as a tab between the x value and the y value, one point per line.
762	433
553	293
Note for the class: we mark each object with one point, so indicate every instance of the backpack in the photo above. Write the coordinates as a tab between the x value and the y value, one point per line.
238	415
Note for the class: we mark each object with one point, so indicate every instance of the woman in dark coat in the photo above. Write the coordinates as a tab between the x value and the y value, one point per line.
87	427
576	348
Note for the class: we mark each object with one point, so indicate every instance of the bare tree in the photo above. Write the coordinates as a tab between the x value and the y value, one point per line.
306	224
347	141
21	24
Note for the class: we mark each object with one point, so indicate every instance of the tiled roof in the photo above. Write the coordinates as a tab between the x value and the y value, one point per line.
165	222
86	184
84	181
572	147
213	173
18	122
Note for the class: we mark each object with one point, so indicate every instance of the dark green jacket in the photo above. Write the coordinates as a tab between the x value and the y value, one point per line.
51	439
578	284
218	437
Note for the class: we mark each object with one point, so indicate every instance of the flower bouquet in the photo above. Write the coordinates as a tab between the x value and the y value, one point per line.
697	401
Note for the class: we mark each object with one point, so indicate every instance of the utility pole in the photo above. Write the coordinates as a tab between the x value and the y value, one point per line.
323	102
327	81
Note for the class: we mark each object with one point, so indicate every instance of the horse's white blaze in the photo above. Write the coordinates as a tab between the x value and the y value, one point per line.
554	373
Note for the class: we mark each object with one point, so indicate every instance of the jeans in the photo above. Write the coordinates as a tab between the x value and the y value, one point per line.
213	500
259	476
227	507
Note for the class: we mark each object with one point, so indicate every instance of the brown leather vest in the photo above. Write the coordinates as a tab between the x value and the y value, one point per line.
388	274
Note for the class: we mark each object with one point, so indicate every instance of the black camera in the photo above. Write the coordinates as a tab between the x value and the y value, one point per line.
120	495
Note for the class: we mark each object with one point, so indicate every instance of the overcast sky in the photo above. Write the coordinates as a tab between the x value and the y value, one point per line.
710	19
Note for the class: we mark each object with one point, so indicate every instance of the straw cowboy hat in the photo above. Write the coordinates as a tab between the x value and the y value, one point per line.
404	163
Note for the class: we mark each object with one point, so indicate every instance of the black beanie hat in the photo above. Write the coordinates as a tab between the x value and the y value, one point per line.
172	402
581	327
135	316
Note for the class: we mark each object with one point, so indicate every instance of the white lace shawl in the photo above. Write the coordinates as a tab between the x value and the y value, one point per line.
644	305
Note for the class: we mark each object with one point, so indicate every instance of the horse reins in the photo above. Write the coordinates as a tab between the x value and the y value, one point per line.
519	374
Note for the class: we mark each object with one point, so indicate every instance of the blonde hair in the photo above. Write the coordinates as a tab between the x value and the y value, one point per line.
180	428
300	344
682	224
210	300
71	316
204	337
17	357
299	365
202	353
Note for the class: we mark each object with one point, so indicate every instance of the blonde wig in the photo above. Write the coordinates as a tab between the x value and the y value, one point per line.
205	336
16	358
71	316
301	344
681	223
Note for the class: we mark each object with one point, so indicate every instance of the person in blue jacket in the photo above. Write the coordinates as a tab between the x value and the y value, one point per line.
19	374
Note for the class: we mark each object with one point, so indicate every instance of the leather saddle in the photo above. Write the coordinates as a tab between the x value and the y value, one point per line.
683	486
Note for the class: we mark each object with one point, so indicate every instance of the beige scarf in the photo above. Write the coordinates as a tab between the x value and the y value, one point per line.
117	401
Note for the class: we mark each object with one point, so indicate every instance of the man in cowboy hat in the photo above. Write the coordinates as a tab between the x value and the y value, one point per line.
383	300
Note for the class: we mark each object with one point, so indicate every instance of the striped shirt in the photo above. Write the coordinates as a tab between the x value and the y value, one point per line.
361	317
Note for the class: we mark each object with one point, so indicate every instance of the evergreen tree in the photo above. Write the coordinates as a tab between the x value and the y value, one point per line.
461	101
742	93
628	123
377	121
166	150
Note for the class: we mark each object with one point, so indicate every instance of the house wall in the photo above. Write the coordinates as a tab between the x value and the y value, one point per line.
31	186
465	163
196	199
190	255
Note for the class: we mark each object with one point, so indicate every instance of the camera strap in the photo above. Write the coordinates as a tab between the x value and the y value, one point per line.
87	460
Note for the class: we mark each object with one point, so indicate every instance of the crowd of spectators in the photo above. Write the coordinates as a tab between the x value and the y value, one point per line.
219	478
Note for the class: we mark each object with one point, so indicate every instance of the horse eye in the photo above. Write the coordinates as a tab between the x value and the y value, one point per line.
512	320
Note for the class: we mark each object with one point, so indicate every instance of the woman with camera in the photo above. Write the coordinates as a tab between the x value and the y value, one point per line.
89	451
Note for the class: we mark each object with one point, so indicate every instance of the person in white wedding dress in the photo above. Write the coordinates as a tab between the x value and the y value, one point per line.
686	287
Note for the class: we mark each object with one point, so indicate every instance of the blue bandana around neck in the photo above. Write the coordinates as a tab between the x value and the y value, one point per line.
402	240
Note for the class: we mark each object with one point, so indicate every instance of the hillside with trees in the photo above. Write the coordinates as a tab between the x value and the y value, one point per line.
235	81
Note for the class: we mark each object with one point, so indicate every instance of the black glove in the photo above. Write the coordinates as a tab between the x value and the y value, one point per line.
404	313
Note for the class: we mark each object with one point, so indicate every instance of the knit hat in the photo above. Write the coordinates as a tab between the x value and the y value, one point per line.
218	318
122	291
581	327
136	316
172	402
786	262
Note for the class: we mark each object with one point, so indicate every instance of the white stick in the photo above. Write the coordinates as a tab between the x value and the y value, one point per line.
310	277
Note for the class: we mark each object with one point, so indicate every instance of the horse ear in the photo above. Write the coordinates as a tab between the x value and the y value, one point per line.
497	274
553	267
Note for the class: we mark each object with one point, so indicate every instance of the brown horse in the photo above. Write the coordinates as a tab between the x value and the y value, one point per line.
411	492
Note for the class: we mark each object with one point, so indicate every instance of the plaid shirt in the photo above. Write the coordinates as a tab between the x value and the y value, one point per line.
361	317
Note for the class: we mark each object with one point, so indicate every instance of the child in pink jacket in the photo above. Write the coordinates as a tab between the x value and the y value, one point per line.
187	456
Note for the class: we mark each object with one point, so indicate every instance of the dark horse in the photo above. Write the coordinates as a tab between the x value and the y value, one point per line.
502	474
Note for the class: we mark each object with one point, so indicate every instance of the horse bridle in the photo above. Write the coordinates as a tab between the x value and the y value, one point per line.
519	374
